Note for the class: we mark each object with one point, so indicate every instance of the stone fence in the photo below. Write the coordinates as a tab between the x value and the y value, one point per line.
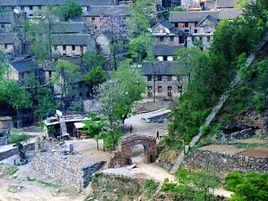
59	169
7	151
224	162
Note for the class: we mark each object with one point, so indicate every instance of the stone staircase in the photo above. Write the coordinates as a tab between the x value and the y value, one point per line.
215	110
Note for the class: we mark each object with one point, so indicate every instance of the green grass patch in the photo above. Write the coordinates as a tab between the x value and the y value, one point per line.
17	138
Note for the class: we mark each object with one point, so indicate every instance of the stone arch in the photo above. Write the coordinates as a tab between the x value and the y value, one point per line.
123	155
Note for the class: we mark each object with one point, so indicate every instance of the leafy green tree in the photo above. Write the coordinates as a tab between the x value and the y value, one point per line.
95	76
66	74
241	3
68	10
214	71
139	48
132	84
142	14
248	187
95	127
191	185
92	59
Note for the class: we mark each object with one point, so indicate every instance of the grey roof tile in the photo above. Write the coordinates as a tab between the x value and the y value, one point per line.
73	39
7	38
165	50
162	68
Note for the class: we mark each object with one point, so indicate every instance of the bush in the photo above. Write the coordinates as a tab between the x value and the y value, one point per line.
150	186
17	138
250	187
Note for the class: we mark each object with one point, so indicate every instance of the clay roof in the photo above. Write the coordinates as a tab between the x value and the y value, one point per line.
165	50
161	68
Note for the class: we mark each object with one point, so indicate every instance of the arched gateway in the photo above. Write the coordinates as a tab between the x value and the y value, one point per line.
122	156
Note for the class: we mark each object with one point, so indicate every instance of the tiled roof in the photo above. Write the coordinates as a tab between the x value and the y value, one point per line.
7	38
165	50
197	16
191	16
73	39
108	10
53	2
162	68
231	13
6	17
69	27
24	65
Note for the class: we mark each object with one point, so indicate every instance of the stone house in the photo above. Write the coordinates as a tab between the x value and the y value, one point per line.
9	43
164	52
23	69
31	6
6	21
165	32
95	14
165	80
200	25
72	44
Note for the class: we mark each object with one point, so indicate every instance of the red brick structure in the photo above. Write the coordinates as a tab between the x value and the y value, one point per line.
122	156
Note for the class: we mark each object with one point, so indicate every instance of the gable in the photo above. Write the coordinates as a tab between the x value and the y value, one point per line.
206	23
160	29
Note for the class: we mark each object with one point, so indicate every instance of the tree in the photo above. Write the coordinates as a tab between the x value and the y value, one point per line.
139	48
66	74
117	95
92	59
115	28
40	33
241	3
132	84
191	58
142	14
11	94
68	10
95	76
248	187
95	127
191	185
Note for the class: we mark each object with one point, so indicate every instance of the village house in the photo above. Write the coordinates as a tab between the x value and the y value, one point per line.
7	20
23	69
164	52
95	14
200	25
165	80
9	43
31	6
72	44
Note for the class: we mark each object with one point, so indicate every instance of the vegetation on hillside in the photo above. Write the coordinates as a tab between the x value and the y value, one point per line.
215	72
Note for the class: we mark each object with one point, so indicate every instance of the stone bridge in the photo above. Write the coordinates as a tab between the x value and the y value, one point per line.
122	156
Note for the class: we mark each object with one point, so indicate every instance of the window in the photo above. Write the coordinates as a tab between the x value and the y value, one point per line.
22	7
93	19
208	38
181	39
186	24
149	78
6	46
169	91
149	90
39	7
2	26
159	78
159	89
176	24
171	38
179	89
73	47
169	78
64	47
55	47
31	7
195	31
50	74
165	58
161	39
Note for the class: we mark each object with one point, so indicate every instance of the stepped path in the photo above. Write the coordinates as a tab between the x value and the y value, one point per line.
215	110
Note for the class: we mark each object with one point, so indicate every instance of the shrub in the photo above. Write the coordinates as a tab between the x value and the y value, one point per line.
17	138
150	186
250	187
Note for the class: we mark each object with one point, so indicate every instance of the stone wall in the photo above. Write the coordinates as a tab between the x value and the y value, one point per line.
8	150
111	187
224	162
59	169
